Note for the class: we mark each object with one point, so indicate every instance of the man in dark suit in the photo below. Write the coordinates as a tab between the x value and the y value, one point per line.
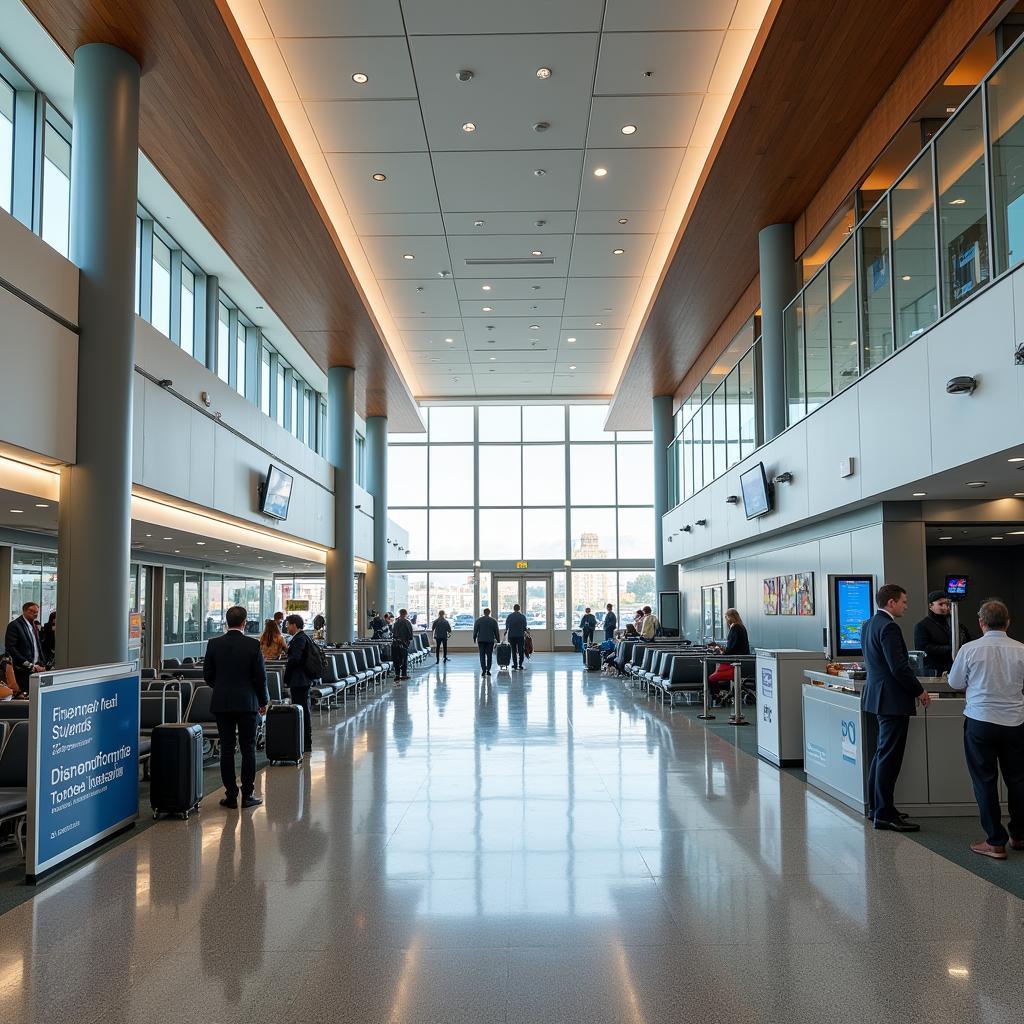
296	678
890	697
234	667
21	642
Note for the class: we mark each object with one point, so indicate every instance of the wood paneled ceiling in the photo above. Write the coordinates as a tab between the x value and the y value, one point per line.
821	69
210	130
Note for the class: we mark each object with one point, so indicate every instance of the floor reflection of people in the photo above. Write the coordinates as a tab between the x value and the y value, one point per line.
401	726
303	841
517	706
441	692
228	953
487	713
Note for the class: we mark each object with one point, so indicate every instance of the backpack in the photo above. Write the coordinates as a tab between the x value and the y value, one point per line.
313	662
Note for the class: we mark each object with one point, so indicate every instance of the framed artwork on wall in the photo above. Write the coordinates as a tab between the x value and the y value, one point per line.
804	593
787	595
770	596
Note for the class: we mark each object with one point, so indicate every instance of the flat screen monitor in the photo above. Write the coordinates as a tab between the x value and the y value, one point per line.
956	586
756	497
852	605
277	493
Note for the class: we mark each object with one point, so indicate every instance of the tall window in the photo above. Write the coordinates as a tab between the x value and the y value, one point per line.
265	382
56	188
223	341
160	316
240	350
188	310
6	145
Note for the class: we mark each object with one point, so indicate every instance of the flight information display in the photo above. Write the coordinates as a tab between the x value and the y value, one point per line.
852	606
956	586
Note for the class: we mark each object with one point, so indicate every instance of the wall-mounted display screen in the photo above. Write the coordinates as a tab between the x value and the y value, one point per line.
851	605
956	586
277	493
756	496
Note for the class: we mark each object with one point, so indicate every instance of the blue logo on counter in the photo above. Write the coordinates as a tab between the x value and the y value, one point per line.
849	741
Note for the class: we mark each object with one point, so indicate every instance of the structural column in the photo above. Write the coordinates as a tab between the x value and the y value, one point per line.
94	525
666	577
341	439
778	286
212	320
377	485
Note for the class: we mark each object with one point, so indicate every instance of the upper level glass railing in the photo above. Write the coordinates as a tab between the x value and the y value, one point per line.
951	224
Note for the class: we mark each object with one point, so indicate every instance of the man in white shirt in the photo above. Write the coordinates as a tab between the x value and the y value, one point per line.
991	670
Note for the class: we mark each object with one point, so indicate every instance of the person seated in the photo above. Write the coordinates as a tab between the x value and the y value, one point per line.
272	643
8	682
736	643
319	629
631	632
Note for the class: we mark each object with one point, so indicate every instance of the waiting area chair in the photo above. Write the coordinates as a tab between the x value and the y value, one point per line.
14	781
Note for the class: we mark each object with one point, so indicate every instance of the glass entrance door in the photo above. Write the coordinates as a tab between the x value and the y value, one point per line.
533	594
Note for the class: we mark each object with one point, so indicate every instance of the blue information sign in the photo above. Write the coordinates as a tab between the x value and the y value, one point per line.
84	770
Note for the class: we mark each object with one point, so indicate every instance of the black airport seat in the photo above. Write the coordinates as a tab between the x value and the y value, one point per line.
199	713
14	710
14	780
171	663
157	708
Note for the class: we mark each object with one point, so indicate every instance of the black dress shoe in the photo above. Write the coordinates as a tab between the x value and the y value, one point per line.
901	825
251	801
231	802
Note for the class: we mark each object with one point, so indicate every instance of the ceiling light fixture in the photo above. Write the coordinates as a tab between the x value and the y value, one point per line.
359	78
380	177
536	327
957	202
536	252
479	223
623	220
469	127
597	323
465	75
1018	494
572	367
1017	533
1016	458
976	483
201	543
449	340
920	494
492	358
570	340
17	511
600	172
906	277
543	74
168	538
41	504
408	256
487	309
618	252
995	538
945	538
539	172
628	129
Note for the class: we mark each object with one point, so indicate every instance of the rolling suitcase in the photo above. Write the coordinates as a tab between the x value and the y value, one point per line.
284	733
528	646
176	768
592	657
503	655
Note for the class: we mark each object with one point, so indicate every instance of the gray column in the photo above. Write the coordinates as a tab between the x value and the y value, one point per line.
6	580
377	485
94	523
666	577
341	439
778	287
212	319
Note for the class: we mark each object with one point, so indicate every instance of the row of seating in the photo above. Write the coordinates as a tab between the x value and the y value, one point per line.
14	779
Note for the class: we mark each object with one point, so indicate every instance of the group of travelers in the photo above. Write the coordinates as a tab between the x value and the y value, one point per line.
28	649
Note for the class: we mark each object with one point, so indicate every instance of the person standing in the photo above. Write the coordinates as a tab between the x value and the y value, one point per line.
485	636
273	646
588	623
889	698
442	630
933	634
21	642
48	640
649	625
516	628
401	633
991	670
296	676
234	667
610	623
279	620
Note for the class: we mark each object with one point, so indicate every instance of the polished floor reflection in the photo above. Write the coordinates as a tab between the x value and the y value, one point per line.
546	848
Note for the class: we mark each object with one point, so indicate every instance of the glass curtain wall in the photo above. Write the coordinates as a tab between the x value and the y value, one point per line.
6	145
34	578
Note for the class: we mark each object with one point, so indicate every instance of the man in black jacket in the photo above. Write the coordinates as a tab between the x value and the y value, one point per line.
890	697
933	634
296	676
21	642
516	628
234	667
486	635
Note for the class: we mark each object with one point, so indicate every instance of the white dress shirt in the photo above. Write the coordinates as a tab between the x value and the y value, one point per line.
37	658
991	670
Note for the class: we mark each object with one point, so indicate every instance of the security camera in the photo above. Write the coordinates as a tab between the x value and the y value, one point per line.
465	75
783	478
687	529
166	382
702	522
732	500
961	385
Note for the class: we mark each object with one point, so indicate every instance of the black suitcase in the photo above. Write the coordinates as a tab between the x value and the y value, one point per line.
503	655
592	657
176	768
284	733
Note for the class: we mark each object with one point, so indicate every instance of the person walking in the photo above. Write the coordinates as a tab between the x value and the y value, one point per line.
273	646
23	647
588	623
485	635
991	671
610	623
401	633
516	628
296	676
889	699
234	668
442	630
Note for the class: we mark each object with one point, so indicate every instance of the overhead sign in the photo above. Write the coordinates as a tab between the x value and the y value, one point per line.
295	604
522	565
83	771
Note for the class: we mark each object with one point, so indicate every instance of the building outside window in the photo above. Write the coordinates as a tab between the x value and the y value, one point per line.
6	145
188	311
223	342
56	219
160	313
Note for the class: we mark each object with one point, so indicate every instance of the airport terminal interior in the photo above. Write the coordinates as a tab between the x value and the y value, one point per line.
566	379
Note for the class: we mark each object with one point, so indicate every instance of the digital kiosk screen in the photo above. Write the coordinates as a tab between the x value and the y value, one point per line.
852	605
956	586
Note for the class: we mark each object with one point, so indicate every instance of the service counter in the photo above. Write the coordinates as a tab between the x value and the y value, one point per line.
839	745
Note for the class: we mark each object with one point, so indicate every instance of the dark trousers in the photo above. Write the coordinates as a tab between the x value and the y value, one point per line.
588	637
442	646
486	650
609	634
886	764
400	656
245	722
300	696
22	678
518	644
992	748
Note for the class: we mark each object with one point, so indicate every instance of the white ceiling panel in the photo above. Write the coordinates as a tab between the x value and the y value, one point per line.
398	224
434	341
511	359
505	247
572	325
667	15
658	120
511	288
334	17
589	339
446	326
638	63
557	222
610	255
251	20
505	331
420	298
459	17
322	69
517	308
635	177
507	181
505	98
607	222
408	187
600	296
387	255
365	126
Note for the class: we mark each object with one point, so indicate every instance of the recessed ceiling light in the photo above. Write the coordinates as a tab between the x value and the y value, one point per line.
995	538
41	504
906	277
945	538
543	73
950	110
359	78
408	256
618	252
1017	533
485	287
168	538
479	223
623	220
597	323
628	129
492	358
920	494
380	177
1016	458
572	367
201	543
534	327
177	551
487	309
19	511
976	483
570	340
1018	494
449	340
536	252
957	202
600	172
149	535
539	172
469	127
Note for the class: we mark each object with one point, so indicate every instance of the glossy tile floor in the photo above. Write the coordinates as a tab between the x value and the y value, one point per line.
550	848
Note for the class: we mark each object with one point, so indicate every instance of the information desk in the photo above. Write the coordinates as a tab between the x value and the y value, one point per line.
838	747
779	679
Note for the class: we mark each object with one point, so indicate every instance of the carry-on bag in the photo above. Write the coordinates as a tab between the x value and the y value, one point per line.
528	646
176	768
284	731
592	657
503	655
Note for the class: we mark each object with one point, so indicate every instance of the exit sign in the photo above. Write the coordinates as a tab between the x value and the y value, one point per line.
522	565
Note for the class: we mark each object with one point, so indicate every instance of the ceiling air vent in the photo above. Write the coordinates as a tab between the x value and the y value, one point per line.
512	261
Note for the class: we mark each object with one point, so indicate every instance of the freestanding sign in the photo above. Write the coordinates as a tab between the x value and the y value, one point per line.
83	771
